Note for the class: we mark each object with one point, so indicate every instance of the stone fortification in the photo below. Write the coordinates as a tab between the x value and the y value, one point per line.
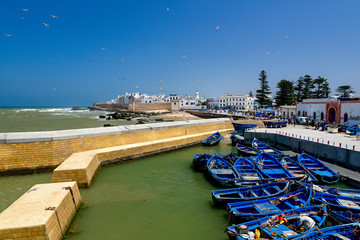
38	151
43	212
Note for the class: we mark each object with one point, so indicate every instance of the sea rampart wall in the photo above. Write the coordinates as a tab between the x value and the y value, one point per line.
29	152
333	154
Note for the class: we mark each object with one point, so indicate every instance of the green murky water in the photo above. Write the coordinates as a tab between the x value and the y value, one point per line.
158	197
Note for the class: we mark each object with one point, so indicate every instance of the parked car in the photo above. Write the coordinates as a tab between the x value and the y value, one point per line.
302	120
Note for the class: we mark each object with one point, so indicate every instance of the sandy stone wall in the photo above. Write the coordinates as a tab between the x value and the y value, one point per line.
38	151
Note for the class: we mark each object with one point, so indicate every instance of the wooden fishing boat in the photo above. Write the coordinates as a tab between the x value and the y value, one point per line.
241	211
247	173
250	193
245	151
277	224
221	171
260	146
344	216
336	202
237	137
200	160
212	140
275	123
297	170
243	126
335	191
319	170
231	158
271	168
345	232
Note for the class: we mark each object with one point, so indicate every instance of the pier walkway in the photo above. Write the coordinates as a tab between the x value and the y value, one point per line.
340	140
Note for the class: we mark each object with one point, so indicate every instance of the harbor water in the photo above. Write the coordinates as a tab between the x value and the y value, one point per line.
54	118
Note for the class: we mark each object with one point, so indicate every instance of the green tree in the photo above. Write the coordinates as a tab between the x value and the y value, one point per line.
308	87
321	86
264	91
344	90
298	89
286	94
251	94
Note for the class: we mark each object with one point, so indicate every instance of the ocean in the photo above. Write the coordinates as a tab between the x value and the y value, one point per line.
32	119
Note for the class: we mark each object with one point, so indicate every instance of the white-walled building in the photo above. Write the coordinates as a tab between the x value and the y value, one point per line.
330	110
237	102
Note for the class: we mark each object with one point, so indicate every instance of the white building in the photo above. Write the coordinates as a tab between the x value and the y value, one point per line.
237	102
331	110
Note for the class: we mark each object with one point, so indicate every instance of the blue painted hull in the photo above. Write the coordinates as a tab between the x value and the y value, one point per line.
297	170
347	231
212	140
245	151
247	172
260	146
318	169
242	126
250	193
336	202
266	227
270	168
243	211
200	160
221	171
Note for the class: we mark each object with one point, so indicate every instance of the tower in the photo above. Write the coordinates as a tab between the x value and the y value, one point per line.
197	95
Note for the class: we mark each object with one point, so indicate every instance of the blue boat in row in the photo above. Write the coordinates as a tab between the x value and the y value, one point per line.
270	167
279	226
260	146
250	193
242	211
319	170
243	126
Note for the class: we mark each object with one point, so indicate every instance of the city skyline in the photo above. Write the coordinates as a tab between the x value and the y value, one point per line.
79	53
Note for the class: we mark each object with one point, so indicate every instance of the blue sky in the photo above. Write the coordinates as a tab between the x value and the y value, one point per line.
140	43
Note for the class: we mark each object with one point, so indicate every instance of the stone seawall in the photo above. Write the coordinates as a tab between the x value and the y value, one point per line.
339	156
39	151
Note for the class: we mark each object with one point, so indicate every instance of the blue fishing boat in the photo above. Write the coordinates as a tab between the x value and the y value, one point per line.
212	140
336	202
344	232
221	171
250	193
237	137
319	170
352	129
335	191
344	216
260	146
247	172
276	226
297	170
242	211
271	168
275	123
243	126
200	160
245	151
231	158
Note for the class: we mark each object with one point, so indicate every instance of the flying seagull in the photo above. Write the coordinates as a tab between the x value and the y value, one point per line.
53	16
46	25
267	53
137	86
122	78
197	80
286	37
197	58
91	60
121	59
8	35
168	9
217	28
102	49
25	9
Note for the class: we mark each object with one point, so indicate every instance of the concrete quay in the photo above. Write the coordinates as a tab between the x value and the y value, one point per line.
339	149
43	212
